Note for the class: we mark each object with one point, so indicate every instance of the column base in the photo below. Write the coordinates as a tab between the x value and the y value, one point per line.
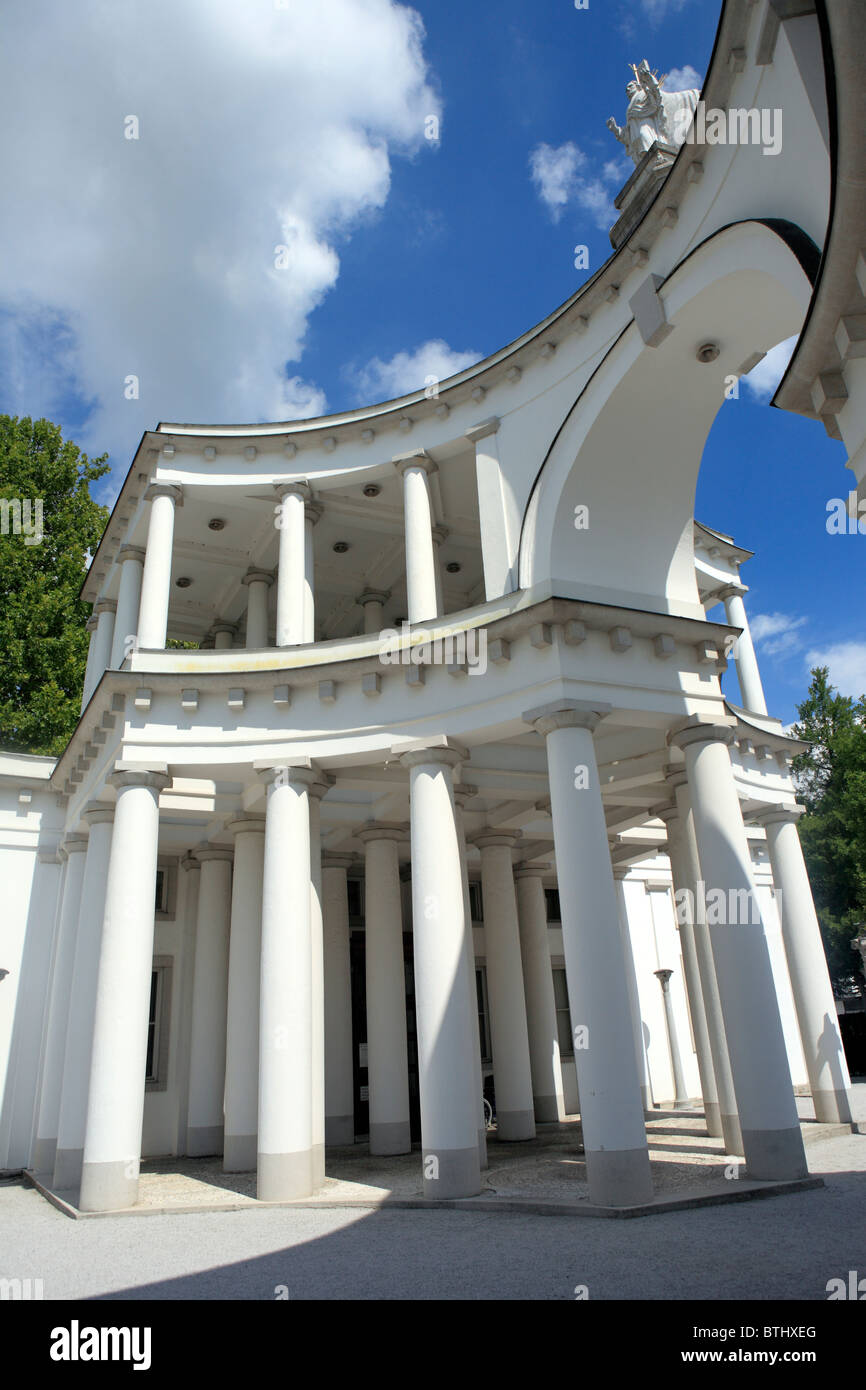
451	1173
240	1152
732	1135
683	1105
619	1177
548	1109
108	1186
515	1125
775	1154
482	1148
391	1138
203	1141
67	1168
339	1130
317	1163
713	1118
832	1107
646	1100
44	1155
282	1177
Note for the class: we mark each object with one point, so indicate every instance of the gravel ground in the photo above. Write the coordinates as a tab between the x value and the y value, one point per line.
783	1247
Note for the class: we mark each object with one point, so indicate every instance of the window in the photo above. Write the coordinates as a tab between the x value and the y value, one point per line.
158	1025
166	888
563	1014
476	903
551	898
161	888
483	1025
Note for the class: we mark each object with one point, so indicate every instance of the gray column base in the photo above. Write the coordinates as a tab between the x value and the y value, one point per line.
619	1177
281	1177
713	1118
832	1107
482	1148
317	1163
775	1154
203	1141
240	1152
339	1130
732	1135
108	1186
548	1109
646	1100
515	1125
67	1168
44	1154
683	1105
391	1138
451	1172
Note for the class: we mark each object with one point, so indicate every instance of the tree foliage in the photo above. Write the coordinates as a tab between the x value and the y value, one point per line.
831	782
43	637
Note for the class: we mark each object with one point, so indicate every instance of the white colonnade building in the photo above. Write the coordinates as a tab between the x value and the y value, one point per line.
404	776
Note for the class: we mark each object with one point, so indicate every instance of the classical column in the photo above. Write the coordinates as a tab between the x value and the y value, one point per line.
773	1144
547	1090
617	1160
440	534
691	907
748	675
223	635
115	1106
387	1060
285	1158
619	876
339	1089
291	573
207	1056
192	876
807	966
318	789
156	579
678	859
443	989
312	512
72	849
258	582
89	686
681	1095
420	554
242	1015
99	817
512	1074
461	795
373	603
99	656
131	561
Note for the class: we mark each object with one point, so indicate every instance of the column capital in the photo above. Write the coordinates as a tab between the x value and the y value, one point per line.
484	839
223	625
438	749
566	714
418	459
373	596
675	776
463	793
205	853
731	591
90	625
289	770
332	860
245	824
620	872
323	784
188	861
131	552
98	812
137	775
486	427
532	870
663	976
778	815
439	533
105	605
696	729
665	812
313	509
72	844
294	487
172	490
382	830
256	576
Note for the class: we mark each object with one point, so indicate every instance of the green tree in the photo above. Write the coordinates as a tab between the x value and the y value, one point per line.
43	638
831	782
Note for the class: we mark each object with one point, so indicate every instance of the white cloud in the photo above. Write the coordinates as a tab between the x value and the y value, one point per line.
683	79
555	171
259	127
776	633
656	10
847	663
410	371
763	379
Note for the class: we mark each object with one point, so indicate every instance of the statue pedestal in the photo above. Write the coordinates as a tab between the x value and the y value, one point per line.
638	192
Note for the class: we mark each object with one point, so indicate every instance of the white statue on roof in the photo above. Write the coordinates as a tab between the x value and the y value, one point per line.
653	116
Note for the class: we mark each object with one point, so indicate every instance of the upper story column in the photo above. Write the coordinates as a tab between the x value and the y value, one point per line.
291	575
258	583
373	603
131	561
421	586
748	675
312	512
99	655
494	510
156	580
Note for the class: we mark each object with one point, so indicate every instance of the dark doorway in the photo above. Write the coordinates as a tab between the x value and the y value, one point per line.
360	1077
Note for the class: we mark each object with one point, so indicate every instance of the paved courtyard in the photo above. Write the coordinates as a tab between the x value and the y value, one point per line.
780	1247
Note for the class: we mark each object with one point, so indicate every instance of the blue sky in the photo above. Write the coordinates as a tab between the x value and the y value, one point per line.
304	126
